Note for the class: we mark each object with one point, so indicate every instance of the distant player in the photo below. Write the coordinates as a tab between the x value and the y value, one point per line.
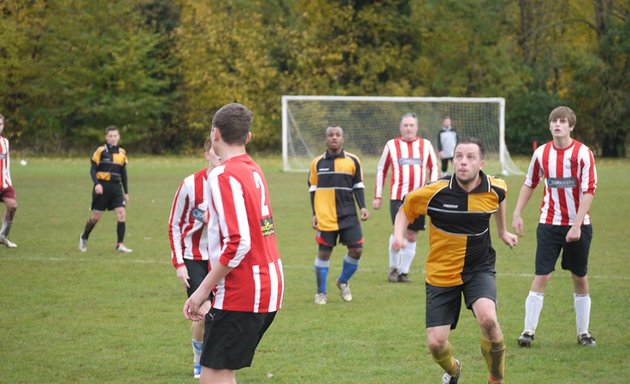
409	158
6	189
461	258
110	191
188	237
447	140
246	272
335	181
570	178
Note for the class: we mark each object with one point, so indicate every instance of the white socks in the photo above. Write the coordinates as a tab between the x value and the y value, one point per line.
394	256
533	307
197	347
582	304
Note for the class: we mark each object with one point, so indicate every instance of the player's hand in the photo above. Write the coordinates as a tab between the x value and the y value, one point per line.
574	234
192	307
517	224
399	244
376	203
98	189
182	275
126	197
364	214
314	222
441	155
509	239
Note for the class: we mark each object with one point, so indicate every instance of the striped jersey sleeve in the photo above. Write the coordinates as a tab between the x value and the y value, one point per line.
5	163
186	229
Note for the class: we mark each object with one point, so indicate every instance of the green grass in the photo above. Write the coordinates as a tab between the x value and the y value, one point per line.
103	317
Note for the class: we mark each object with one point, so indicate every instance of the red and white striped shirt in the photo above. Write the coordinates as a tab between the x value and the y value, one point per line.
241	235
569	173
409	161
187	234
5	164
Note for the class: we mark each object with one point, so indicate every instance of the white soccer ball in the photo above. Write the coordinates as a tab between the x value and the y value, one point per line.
23	162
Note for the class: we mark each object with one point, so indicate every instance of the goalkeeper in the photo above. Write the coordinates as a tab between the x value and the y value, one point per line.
409	156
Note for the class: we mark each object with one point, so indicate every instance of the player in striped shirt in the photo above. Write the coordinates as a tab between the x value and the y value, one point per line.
567	168
7	193
409	158
188	237
246	271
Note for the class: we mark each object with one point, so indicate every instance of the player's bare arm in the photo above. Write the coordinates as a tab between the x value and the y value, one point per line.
182	275
575	232
400	225
192	307
523	198
508	238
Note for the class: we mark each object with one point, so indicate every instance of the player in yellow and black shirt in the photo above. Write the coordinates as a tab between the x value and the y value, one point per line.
335	181
461	259
110	192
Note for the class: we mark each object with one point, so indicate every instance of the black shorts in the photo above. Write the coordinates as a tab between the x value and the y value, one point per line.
231	338
351	237
111	198
417	225
444	303
550	240
197	271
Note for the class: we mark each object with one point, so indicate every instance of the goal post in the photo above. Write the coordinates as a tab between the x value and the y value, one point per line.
369	122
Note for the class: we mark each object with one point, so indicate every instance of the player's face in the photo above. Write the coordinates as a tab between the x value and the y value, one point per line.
467	162
112	138
213	159
409	128
1	126
446	123
560	128
334	138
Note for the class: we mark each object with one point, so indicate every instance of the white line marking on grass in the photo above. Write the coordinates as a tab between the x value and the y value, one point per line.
127	260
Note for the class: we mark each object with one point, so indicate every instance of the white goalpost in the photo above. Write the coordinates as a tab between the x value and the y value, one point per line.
368	122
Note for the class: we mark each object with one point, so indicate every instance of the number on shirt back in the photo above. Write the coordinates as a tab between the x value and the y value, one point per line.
261	186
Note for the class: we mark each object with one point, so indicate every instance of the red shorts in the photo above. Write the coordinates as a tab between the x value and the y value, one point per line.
7	193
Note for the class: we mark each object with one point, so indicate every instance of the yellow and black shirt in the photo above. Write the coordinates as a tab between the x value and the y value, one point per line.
334	181
109	165
459	235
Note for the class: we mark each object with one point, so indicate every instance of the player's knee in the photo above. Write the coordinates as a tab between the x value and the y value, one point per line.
355	253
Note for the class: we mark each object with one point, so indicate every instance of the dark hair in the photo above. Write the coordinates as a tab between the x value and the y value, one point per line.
234	121
563	113
472	140
111	128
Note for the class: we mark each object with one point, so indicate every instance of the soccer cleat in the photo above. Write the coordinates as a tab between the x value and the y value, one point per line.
8	243
82	244
525	339
448	379
403	278
320	298
197	370
393	276
586	340
122	249
344	289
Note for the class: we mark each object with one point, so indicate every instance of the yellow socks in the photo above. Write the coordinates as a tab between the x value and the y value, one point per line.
494	354
446	360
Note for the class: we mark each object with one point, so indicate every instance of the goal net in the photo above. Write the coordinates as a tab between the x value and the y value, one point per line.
368	122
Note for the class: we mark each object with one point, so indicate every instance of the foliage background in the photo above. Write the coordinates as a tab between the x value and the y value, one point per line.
159	69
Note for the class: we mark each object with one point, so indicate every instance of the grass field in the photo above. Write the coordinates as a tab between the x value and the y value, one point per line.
103	317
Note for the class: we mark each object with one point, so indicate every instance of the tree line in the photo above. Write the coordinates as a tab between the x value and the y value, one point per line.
159	69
